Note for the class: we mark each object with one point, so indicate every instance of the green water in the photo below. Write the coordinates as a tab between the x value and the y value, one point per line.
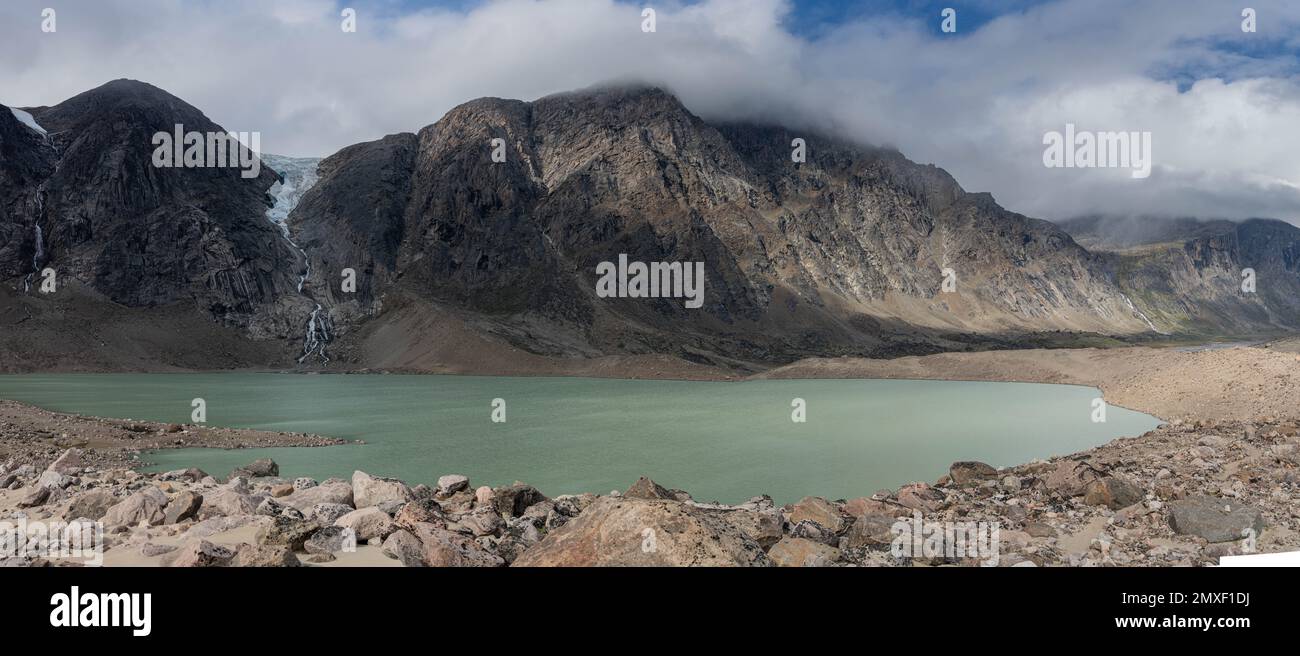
719	441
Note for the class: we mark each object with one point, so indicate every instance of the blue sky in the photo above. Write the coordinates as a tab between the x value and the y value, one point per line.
1223	105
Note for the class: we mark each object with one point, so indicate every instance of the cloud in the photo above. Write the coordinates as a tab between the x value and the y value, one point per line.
1223	107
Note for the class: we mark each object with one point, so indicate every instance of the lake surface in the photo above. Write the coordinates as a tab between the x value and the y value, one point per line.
722	441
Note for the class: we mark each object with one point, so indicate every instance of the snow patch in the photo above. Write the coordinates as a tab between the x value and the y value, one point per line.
26	119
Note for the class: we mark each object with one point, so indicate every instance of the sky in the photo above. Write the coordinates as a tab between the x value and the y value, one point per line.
1222	106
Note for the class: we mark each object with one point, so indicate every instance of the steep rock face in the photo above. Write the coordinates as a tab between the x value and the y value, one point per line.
26	159
843	253
1196	283
146	236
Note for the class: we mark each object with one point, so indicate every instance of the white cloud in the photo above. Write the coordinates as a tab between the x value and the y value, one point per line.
976	103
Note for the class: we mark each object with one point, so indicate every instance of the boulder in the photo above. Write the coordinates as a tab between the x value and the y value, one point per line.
513	500
799	552
443	548
367	523
227	502
451	484
420	511
68	464
644	488
483	495
970	471
765	527
51	478
403	546
1070	478
1113	492
338	492
258	468
265	555
817	509
331	539
867	505
370	490
288	532
483	521
38	496
1216	520
328	513
146	506
149	549
91	505
616	531
920	496
870	531
183	506
200	553
302	483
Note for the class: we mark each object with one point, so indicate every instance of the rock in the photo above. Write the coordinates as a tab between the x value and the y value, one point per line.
970	471
181	507
572	505
272	508
68	464
1113	492
149	549
869	531
265	555
367	523
328	513
370	490
1010	483
799	552
403	546
281	490
615	531
483	495
764	527
420	511
443	548
227	502
53	479
513	500
303	483
200	553
817	509
919	496
91	505
868	505
192	474
144	506
451	484
337	492
644	488
483	521
257	469
331	539
288	532
1071	477
1216	520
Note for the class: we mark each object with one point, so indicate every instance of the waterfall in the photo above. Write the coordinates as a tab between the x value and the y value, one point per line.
299	176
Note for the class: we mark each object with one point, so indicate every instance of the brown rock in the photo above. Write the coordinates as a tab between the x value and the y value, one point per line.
644	488
817	509
1113	492
970	471
200	553
443	548
1071	477
869	531
920	496
183	506
615	531
798	552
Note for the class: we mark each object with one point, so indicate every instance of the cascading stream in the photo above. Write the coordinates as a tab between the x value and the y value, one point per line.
300	175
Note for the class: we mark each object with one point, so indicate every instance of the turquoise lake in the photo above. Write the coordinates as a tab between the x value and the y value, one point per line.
723	441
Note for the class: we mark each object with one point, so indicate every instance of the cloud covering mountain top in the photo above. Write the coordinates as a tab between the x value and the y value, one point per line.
1223	106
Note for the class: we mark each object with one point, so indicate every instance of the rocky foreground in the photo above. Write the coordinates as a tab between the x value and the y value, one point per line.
1184	494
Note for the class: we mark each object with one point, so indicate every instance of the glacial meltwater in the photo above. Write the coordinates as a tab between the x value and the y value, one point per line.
723	441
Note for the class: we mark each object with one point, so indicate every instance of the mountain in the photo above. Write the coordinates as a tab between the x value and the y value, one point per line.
1188	273
464	263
